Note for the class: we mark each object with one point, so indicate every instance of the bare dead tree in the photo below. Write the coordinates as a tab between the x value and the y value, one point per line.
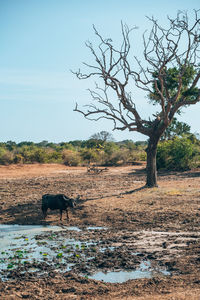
102	136
169	74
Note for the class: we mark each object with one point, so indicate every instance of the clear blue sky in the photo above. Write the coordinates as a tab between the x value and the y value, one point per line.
41	40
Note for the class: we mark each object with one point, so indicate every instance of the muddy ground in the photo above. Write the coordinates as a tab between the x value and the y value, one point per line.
158	227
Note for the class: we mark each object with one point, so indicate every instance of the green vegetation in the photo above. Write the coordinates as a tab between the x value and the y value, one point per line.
179	150
179	153
74	153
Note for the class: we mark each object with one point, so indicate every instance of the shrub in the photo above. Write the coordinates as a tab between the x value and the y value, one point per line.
90	155
40	156
71	158
118	157
177	154
18	159
6	157
53	156
138	155
110	148
32	154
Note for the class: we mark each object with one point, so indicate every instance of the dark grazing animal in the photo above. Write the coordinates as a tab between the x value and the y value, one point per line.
58	201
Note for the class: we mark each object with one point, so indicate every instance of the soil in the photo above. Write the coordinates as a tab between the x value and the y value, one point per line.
157	226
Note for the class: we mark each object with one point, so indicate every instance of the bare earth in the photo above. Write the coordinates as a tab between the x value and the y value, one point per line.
161	224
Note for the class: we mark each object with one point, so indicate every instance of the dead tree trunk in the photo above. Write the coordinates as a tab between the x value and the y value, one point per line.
151	151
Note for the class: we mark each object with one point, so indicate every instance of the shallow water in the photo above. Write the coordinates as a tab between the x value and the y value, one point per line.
16	235
144	271
26	229
96	228
73	228
62	249
22	244
17	242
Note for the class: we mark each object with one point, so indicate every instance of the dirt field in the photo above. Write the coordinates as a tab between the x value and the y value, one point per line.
159	225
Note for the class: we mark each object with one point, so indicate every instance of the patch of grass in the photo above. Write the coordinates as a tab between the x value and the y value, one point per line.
174	192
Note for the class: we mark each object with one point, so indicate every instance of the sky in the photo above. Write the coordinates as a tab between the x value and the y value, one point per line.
41	41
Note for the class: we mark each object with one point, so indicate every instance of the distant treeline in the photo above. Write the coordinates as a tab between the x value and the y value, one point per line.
178	153
73	153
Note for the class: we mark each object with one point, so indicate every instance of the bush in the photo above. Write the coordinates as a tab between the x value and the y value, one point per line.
53	156
90	155
177	154
110	148
138	155
118	157
39	155
71	158
6	157
18	159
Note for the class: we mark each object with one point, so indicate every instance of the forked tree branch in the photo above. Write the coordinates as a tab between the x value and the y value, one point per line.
175	47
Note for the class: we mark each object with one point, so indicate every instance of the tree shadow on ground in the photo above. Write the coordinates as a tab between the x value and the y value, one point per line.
140	173
82	201
183	174
135	190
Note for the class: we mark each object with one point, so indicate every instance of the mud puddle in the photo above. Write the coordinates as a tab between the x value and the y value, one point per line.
145	270
18	245
38	249
94	252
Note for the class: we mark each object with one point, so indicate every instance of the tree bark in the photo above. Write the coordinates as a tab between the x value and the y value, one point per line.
151	162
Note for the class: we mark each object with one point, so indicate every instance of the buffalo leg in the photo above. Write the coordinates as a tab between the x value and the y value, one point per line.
60	214
44	211
67	214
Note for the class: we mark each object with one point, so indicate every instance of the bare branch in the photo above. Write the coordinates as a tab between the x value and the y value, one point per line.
173	49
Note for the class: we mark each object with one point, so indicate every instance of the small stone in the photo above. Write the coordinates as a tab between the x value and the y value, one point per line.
25	295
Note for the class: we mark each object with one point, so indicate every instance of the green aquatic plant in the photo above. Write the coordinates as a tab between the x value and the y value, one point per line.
41	243
52	236
59	255
10	266
10	257
83	247
18	255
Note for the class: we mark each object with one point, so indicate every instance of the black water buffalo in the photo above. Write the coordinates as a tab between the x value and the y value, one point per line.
58	201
